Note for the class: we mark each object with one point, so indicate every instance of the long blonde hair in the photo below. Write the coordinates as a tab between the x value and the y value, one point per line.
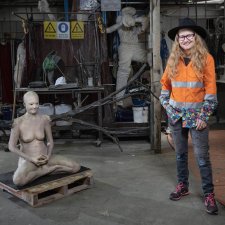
198	55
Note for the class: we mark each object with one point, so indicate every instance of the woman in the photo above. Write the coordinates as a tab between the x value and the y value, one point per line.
33	131
189	97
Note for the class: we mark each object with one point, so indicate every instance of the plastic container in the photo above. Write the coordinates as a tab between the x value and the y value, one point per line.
140	114
46	109
124	115
62	108
6	112
90	82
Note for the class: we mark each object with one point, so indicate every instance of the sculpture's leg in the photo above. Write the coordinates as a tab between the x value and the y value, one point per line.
27	171
124	69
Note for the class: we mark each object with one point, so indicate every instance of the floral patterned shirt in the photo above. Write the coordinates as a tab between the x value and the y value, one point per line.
188	116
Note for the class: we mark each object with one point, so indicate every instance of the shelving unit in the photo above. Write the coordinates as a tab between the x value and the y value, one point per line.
75	93
81	60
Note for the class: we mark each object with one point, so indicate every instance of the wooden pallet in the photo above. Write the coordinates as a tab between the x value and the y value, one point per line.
50	191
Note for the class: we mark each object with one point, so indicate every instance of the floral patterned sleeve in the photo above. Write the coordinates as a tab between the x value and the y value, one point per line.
210	99
164	99
207	109
166	89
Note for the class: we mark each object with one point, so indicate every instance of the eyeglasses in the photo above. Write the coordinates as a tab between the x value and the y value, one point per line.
188	36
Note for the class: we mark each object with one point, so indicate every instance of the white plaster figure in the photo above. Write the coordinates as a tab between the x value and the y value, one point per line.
33	132
130	49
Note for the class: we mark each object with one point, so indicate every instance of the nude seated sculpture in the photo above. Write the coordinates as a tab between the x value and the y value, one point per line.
33	133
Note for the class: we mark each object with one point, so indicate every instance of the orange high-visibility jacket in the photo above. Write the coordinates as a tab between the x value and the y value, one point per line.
186	90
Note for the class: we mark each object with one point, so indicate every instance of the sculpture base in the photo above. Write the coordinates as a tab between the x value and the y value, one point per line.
48	188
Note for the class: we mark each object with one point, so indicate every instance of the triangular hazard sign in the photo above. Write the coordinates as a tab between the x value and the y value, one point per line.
77	28
50	29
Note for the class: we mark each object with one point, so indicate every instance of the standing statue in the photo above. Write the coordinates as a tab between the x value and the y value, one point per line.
130	49
33	131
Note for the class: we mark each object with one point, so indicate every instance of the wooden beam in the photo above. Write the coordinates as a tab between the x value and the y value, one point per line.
155	136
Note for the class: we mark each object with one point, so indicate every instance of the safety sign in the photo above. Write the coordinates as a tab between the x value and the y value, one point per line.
56	30
50	30
63	30
77	30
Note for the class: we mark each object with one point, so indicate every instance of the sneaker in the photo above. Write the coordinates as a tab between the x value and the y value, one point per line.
210	204
181	190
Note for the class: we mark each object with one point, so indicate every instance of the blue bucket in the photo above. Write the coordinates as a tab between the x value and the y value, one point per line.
137	102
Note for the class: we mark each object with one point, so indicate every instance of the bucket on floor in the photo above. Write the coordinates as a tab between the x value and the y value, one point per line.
140	114
63	108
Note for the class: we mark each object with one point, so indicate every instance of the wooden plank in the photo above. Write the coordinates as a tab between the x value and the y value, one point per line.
58	182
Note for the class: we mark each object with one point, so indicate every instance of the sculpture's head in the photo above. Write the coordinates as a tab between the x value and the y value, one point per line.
128	17
131	11
31	102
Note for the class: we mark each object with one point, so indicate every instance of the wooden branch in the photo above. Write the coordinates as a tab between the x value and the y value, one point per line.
106	132
108	99
102	101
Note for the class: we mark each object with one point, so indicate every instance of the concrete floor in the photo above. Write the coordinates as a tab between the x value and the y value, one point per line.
130	188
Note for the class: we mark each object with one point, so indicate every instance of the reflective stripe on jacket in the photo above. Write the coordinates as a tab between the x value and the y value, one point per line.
186	90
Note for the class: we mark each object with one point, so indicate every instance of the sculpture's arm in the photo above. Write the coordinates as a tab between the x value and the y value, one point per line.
13	142
48	133
144	20
114	27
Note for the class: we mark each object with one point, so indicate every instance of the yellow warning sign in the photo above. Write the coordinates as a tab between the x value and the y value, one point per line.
50	28
77	30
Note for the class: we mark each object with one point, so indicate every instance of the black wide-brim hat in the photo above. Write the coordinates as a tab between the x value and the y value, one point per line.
189	24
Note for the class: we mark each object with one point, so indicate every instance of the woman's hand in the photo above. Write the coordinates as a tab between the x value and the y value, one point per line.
200	124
